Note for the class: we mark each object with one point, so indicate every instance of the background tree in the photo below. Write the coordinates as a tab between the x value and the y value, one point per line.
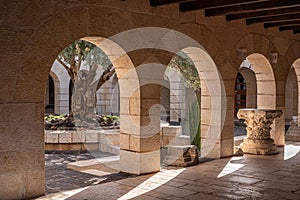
89	68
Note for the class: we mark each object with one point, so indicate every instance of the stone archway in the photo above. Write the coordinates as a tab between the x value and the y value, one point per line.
296	67
33	75
50	97
291	95
266	87
213	105
266	92
61	82
251	93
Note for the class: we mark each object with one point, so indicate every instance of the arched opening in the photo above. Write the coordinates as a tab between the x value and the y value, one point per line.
100	143
292	102
213	105
240	93
50	96
245	97
265	90
291	96
251	88
183	127
296	66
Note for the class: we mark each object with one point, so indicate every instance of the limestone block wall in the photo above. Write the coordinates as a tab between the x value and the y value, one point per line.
61	83
108	97
177	95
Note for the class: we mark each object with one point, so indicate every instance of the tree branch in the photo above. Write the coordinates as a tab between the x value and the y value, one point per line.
69	70
105	77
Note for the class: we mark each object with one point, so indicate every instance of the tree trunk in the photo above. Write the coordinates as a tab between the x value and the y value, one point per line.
84	95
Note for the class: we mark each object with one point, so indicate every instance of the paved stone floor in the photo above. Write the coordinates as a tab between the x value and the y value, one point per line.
59	178
247	177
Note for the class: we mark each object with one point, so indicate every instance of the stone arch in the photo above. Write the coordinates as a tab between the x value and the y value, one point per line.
257	49
42	48
291	94
266	87
213	106
296	67
251	93
61	88
215	145
56	89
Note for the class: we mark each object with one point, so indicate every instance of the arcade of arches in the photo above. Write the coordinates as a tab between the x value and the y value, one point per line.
33	33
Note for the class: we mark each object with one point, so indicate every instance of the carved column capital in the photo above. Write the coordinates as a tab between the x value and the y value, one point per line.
258	123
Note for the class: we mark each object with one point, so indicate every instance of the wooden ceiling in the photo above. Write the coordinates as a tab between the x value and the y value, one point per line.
284	14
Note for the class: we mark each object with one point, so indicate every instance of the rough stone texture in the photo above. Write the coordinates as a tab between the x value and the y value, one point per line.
258	140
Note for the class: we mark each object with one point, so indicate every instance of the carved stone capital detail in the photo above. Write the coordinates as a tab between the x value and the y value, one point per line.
258	123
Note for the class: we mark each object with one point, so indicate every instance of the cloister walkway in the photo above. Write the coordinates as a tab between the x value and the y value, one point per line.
245	177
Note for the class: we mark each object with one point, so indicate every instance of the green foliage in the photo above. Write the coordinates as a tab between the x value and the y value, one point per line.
186	68
86	51
77	48
194	124
50	118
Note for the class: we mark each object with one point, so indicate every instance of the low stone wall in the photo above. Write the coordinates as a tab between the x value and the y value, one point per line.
79	140
97	140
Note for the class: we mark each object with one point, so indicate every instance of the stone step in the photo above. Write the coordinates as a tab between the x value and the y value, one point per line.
181	140
106	164
177	150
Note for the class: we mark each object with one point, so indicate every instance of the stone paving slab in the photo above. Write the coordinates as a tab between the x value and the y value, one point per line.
250	177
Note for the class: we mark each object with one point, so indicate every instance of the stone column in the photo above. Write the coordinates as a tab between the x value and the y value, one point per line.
140	131
258	140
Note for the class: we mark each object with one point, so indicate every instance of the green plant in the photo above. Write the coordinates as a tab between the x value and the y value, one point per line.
194	124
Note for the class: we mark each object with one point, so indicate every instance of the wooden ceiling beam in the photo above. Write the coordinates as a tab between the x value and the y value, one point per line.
272	18
296	31
263	13
164	2
264	5
281	23
288	28
201	4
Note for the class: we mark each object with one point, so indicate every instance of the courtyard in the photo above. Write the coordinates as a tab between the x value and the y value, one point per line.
149	99
241	177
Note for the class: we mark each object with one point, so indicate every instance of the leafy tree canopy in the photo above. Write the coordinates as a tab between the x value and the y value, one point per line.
186	68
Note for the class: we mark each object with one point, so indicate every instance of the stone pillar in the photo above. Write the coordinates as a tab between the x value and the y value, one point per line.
22	171
140	131
258	140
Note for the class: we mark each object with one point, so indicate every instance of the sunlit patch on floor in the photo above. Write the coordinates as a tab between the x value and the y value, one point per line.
62	195
290	151
152	183
231	167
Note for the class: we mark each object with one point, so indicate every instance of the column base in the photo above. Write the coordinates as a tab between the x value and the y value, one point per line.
259	147
139	163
